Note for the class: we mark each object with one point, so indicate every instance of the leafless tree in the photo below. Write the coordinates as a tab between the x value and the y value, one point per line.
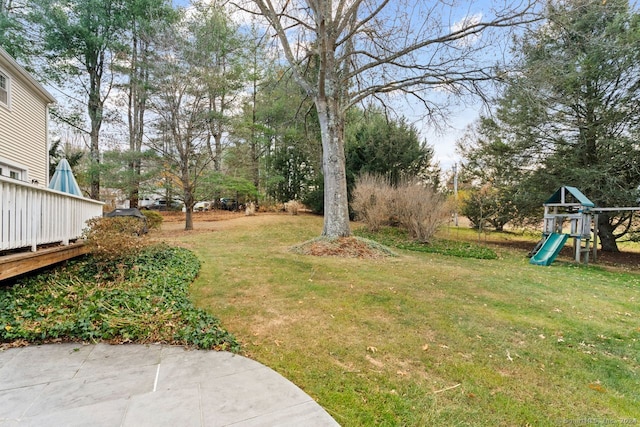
343	52
181	106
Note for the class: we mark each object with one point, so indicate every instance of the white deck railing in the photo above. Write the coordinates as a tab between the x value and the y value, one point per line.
32	216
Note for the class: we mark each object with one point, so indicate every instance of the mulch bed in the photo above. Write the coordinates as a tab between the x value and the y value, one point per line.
346	247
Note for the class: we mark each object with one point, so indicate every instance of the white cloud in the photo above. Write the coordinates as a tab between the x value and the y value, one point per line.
464	24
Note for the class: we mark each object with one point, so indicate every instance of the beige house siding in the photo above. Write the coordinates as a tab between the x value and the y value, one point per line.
24	123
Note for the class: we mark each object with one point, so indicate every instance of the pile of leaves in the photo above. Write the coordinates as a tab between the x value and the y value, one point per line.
148	304
399	238
346	247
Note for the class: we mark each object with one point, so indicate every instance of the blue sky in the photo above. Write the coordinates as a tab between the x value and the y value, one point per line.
444	142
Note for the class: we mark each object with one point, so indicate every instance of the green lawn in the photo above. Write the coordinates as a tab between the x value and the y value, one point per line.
424	338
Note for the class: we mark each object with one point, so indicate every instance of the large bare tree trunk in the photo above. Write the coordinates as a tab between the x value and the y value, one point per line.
336	208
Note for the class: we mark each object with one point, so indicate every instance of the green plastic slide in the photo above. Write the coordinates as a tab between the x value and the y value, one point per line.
550	249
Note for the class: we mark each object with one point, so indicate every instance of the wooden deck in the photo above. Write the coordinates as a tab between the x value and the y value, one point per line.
23	262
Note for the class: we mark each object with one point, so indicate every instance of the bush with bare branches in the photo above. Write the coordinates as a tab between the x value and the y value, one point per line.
420	210
292	207
417	208
372	200
113	241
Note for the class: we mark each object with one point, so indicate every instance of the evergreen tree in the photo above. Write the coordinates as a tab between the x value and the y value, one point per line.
379	145
81	38
571	111
279	134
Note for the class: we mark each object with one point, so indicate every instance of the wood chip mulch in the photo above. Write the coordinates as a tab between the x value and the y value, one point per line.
346	247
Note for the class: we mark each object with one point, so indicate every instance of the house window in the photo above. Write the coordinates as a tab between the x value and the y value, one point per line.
13	171
4	89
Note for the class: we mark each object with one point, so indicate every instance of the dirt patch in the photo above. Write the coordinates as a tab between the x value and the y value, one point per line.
624	259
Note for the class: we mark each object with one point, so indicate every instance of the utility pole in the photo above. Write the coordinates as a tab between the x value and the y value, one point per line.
455	193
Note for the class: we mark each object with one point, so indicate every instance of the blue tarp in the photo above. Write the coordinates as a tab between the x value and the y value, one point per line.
63	179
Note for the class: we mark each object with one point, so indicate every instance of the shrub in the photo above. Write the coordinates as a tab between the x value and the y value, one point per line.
489	207
416	208
268	205
292	207
420	210
113	241
372	199
154	219
314	199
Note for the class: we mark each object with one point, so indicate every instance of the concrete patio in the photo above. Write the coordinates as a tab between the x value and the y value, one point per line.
146	385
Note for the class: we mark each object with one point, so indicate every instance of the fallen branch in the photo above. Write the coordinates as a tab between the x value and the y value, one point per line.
448	388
